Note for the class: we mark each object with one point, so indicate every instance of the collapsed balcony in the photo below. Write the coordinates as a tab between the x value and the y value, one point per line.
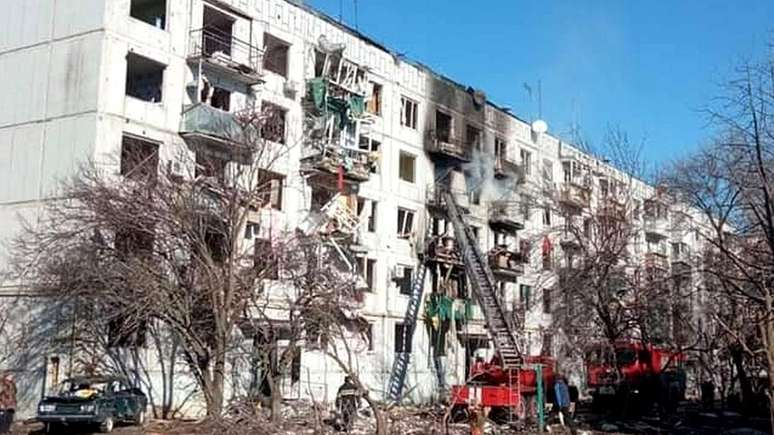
444	250
575	196
443	144
505	216
505	262
218	50
346	163
204	126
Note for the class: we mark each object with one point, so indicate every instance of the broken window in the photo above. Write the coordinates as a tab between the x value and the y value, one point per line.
273	125
217	245
443	126
270	189
210	166
367	268
374	105
252	230
405	281
320	197
264	260
144	78
219	99
402	339
547	301
525	295
475	196
526	161
500	149
473	137
153	12
408	112
547	349
548	170
405	223
139	158
407	167
369	336
373	146
546	216
275	55
218	29
372	217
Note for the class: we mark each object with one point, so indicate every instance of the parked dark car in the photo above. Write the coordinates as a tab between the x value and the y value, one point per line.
96	400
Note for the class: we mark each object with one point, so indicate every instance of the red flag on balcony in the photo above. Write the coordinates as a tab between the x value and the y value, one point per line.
341	179
546	245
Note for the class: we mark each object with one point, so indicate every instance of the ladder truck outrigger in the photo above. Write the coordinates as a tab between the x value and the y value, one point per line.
510	382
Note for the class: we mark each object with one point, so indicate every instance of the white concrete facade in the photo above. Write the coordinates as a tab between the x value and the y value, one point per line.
65	71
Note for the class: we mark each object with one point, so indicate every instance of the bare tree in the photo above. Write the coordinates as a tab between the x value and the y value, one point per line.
729	182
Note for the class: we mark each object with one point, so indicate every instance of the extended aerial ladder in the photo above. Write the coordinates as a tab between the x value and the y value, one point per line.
476	267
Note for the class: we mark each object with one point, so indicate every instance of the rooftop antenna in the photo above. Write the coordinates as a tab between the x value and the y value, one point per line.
528	88
341	11
356	24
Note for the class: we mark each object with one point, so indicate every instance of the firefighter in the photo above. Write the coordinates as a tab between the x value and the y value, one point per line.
7	402
562	393
347	403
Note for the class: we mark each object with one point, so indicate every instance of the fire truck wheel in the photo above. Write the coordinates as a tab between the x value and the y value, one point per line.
459	413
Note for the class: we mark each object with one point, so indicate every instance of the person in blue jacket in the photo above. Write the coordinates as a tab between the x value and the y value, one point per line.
562	396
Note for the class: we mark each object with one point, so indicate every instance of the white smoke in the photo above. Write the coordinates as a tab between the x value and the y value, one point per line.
480	175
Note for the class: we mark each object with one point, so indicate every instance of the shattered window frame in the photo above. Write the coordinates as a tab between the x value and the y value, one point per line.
409	112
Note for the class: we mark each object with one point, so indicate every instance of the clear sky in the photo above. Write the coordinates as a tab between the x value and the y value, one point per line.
647	66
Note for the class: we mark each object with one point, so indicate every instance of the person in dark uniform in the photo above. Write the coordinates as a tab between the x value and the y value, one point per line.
7	402
347	402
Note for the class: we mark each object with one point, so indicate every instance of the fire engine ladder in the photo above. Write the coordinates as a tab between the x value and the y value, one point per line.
402	359
500	328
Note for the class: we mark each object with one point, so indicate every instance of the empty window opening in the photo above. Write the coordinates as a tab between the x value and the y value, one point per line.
270	185
526	161
405	223
402	339
367	207
210	166
474	137
407	167
273	123
275	55
500	149
373	146
139	158
367	268
216	97
374	105
217	34
443	126
408	112
217	245
144	78
369	336
525	295
547	301
153	12
320	197
264	259
405	280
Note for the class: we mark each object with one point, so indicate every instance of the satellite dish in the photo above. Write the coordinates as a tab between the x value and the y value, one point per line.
539	127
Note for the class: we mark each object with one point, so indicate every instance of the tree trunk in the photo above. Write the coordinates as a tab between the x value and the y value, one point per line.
381	421
744	382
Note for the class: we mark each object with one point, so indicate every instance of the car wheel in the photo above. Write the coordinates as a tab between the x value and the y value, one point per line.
139	419
107	425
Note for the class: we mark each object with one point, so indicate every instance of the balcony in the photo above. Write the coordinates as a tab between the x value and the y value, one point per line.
656	262
575	196
221	52
505	168
205	126
435	198
681	254
569	241
505	216
443	144
444	250
612	207
656	227
506	263
353	165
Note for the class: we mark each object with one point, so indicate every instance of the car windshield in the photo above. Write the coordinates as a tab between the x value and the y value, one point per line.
82	389
625	356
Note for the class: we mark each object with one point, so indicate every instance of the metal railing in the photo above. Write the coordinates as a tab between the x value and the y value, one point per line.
443	142
222	48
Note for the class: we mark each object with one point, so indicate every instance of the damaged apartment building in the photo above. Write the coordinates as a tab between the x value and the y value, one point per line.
373	141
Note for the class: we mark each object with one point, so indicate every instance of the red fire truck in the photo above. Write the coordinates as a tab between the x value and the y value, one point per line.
510	392
632	370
